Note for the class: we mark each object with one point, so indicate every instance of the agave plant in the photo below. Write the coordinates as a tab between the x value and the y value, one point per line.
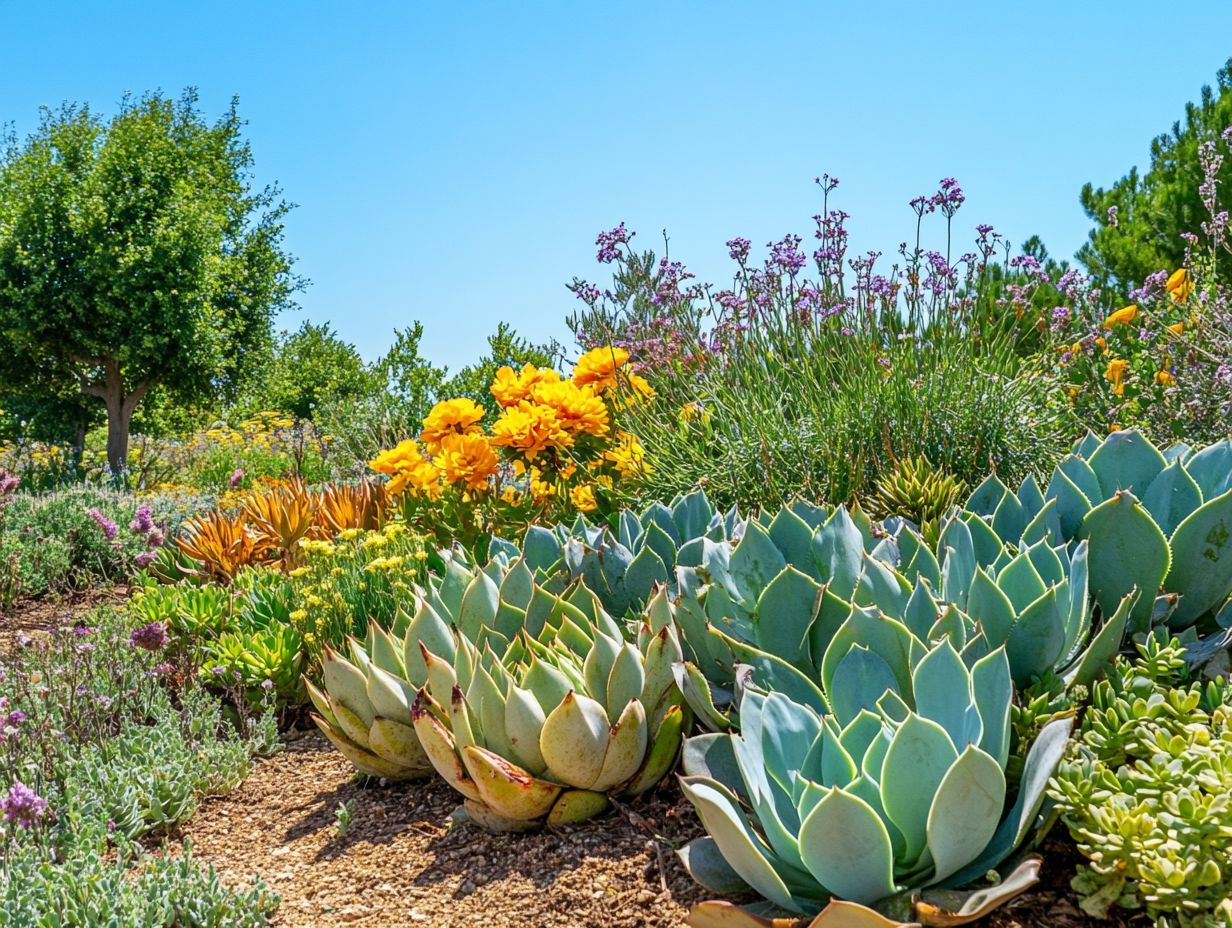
544	711
281	516
342	506
878	811
1158	522
784	618
623	565
220	544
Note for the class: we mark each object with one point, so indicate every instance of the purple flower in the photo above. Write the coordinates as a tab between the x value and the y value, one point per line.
587	293
1061	316
8	482
16	717
23	806
142	521
145	559
786	255
738	248
150	637
236	477
609	241
108	527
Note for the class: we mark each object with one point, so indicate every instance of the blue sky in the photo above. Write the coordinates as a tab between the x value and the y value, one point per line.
452	162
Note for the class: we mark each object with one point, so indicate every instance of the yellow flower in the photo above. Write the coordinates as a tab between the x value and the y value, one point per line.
403	456
628	456
1122	316
467	459
640	389
450	417
1115	374
579	409
598	367
510	388
1164	378
511	496
583	498
1176	328
1179	285
530	428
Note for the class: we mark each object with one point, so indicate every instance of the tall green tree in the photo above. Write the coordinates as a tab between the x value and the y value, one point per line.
136	252
308	368
1140	218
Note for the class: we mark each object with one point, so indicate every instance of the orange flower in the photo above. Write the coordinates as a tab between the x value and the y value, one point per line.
628	456
450	417
510	387
1115	374
1122	316
467	459
1165	378
1176	328
1179	285
530	428
583	498
598	367
580	409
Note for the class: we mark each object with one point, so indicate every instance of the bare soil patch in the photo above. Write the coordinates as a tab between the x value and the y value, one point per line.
34	617
402	864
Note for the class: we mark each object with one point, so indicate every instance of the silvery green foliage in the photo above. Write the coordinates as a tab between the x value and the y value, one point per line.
790	597
899	789
1159	522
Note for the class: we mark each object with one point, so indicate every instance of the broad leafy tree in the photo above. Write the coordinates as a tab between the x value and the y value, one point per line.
1140	218
136	252
309	368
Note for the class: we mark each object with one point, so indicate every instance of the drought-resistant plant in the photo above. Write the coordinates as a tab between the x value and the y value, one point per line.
797	383
917	491
1158	522
1145	792
888	802
556	447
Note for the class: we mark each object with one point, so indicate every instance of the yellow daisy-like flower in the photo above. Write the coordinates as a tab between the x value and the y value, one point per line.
402	456
1165	378
458	416
598	367
1122	316
1179	285
579	409
510	387
467	459
1115	374
583	498
530	428
628	456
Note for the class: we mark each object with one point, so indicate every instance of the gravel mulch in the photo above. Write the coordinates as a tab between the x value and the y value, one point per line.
401	864
34	617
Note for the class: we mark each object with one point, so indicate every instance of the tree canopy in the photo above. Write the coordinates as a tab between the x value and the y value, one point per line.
136	252
1140	218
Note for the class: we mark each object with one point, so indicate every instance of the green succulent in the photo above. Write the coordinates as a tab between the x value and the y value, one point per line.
542	710
891	802
781	614
1158	522
260	661
1145	792
917	491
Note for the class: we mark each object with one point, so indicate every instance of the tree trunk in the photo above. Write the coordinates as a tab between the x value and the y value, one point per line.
120	406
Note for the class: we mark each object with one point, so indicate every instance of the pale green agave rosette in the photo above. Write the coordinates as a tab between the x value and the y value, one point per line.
782	618
364	703
1158	522
624	564
876	813
544	722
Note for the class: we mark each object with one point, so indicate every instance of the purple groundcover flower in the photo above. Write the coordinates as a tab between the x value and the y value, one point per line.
109	528
237	477
8	482
142	521
145	559
150	637
22	806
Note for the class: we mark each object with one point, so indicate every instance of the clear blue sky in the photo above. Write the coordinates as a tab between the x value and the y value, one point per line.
452	162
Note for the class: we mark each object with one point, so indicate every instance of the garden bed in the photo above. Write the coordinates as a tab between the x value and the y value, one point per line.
401	864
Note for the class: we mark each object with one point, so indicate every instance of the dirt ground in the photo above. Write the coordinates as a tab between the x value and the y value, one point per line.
35	617
401	864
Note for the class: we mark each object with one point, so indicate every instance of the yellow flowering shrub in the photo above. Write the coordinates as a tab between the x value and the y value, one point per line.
554	447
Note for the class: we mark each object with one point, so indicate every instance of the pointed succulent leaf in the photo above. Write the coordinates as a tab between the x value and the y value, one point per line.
1127	551
1171	497
838	551
965	811
794	538
917	760
1201	570
846	847
706	864
942	688
507	789
574	740
993	690
1211	469
785	614
1126	460
625	750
